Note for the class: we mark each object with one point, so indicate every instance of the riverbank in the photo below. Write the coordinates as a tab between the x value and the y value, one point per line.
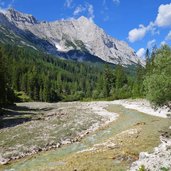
93	130
30	128
144	106
159	158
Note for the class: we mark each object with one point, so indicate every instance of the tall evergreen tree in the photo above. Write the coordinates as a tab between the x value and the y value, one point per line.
108	80
6	93
121	77
158	82
3	80
147	59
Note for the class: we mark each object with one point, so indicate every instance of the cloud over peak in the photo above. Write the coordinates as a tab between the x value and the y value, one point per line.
91	12
79	9
88	8
163	19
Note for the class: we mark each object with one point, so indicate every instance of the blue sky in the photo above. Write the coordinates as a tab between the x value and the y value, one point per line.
141	23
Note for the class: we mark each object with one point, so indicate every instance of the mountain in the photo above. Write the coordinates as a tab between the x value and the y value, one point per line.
77	39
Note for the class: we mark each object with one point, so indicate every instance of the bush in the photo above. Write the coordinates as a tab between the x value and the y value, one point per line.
142	168
158	81
21	97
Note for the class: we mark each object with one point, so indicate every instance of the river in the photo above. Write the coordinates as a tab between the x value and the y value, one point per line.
93	152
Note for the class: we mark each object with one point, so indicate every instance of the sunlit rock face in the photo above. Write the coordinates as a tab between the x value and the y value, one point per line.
75	35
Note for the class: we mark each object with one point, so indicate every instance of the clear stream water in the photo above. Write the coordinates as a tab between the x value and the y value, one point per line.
49	159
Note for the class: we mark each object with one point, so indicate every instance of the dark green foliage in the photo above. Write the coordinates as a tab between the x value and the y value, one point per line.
114	84
121	77
108	79
42	77
3	81
164	169
158	79
138	87
46	78
6	93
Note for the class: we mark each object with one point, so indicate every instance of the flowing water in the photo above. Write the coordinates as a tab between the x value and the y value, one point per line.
57	159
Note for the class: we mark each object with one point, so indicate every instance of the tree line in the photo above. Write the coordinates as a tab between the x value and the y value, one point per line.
46	78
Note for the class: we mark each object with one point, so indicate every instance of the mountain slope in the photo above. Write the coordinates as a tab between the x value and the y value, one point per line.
74	39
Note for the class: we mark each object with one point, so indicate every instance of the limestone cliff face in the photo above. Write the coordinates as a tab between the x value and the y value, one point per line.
77	35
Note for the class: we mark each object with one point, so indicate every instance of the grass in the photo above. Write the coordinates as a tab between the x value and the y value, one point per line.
103	157
127	148
26	129
78	118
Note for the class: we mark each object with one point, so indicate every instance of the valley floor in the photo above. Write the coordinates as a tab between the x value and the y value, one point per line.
91	135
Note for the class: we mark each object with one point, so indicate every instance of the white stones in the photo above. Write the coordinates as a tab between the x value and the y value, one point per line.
143	155
154	161
144	106
65	142
3	161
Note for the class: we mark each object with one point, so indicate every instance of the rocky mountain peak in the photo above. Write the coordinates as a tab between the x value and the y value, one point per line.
83	19
16	16
70	38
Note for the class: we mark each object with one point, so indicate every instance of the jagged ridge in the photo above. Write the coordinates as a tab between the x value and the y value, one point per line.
73	39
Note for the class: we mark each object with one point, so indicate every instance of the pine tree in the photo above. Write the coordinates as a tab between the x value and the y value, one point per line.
121	77
6	93
3	80
147	58
108	80
138	83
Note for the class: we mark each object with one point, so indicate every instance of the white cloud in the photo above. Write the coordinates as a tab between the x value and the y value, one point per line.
137	33
164	16
141	53
79	9
88	8
163	43
105	11
151	44
163	19
91	12
168	37
68	3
